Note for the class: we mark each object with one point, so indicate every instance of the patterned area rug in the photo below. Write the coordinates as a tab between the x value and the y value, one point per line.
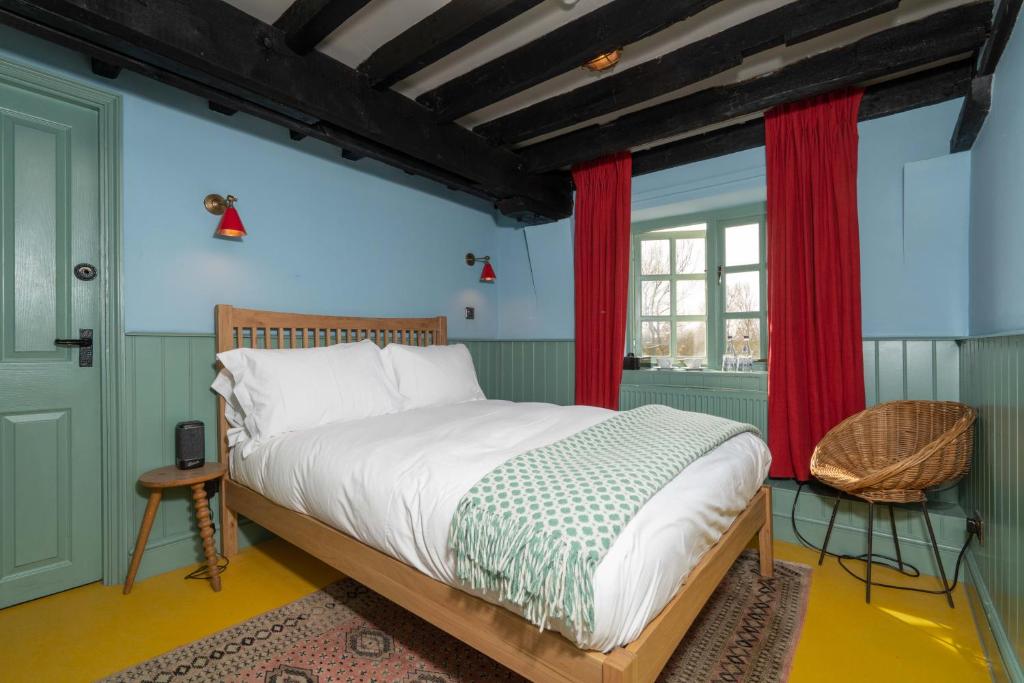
747	633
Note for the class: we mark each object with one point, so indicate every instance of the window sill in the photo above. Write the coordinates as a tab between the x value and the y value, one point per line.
703	371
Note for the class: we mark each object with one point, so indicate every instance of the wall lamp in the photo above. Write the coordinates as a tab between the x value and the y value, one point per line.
230	223
487	274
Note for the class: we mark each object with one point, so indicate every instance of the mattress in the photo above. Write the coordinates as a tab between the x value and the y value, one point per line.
394	482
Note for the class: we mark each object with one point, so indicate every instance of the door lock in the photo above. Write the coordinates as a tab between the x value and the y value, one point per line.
84	344
85	272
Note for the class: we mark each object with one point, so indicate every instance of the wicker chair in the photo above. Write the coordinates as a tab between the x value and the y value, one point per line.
892	453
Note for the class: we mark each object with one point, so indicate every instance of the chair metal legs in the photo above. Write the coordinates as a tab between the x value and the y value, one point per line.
896	542
895	536
938	557
871	534
828	534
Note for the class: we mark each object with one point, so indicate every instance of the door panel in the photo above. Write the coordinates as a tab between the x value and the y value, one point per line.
36	452
37	314
50	459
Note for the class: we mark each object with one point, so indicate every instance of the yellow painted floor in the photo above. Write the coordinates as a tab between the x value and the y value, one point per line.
92	631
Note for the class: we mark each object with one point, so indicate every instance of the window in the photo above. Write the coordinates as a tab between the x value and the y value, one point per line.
696	281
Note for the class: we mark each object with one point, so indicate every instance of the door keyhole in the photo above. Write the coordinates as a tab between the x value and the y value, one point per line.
85	272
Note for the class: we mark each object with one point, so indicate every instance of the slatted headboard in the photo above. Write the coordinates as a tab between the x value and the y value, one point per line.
245	327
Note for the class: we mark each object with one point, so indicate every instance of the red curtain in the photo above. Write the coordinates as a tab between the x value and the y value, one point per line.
602	276
815	359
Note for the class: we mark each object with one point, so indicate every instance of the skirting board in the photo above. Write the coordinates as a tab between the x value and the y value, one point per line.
1002	660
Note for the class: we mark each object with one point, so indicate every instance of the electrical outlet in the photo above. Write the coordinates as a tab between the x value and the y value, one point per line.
976	525
470	313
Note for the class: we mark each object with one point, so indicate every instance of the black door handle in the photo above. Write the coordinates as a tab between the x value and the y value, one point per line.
73	342
84	344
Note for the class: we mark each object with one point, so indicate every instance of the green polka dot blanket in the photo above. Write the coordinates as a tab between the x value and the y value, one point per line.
535	528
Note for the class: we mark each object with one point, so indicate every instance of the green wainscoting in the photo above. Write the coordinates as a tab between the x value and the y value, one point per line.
167	380
992	381
919	369
893	369
542	371
741	396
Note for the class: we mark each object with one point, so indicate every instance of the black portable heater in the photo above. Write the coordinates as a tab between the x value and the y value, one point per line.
189	445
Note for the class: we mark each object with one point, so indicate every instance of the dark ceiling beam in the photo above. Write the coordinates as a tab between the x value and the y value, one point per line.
222	109
618	23
443	32
1002	26
101	68
307	22
972	114
939	36
978	102
238	60
920	89
298	128
787	25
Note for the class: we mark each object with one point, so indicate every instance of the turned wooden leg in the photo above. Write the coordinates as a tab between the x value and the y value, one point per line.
140	542
206	531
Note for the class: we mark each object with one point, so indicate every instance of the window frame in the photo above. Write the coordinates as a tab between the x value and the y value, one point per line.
716	222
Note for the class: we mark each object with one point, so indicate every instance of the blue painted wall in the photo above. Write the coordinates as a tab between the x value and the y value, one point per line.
914	210
997	202
326	235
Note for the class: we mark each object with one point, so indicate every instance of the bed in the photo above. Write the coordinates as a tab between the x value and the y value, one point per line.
382	530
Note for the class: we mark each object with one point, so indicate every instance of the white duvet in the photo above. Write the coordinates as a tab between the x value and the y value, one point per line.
394	482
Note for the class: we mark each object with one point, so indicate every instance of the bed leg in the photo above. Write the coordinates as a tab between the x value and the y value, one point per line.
228	525
764	536
620	666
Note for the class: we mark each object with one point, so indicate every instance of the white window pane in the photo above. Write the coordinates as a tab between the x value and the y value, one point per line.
742	292
691	297
690	256
654	257
654	338
655	298
696	227
742	245
691	340
746	327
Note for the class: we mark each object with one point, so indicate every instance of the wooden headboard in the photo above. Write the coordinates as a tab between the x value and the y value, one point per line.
245	327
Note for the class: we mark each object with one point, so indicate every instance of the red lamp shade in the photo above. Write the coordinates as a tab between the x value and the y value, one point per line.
231	224
487	274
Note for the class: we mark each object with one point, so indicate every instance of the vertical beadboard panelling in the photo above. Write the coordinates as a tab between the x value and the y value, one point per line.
991	382
737	404
916	369
912	369
167	381
541	371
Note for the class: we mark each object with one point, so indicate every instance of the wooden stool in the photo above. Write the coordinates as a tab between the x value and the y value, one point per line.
171	477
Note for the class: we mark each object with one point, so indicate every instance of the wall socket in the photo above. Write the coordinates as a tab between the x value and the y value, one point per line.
976	525
470	313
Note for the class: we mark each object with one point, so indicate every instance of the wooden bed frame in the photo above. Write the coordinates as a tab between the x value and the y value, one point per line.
493	630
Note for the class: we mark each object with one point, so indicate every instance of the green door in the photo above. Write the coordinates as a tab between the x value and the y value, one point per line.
50	499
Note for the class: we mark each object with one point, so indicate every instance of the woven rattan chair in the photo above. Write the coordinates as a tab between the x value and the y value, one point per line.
892	453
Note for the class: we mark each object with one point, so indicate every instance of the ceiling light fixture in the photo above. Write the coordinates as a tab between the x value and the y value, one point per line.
604	61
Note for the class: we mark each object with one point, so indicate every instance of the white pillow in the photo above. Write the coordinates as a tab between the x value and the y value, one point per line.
283	390
433	375
238	435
